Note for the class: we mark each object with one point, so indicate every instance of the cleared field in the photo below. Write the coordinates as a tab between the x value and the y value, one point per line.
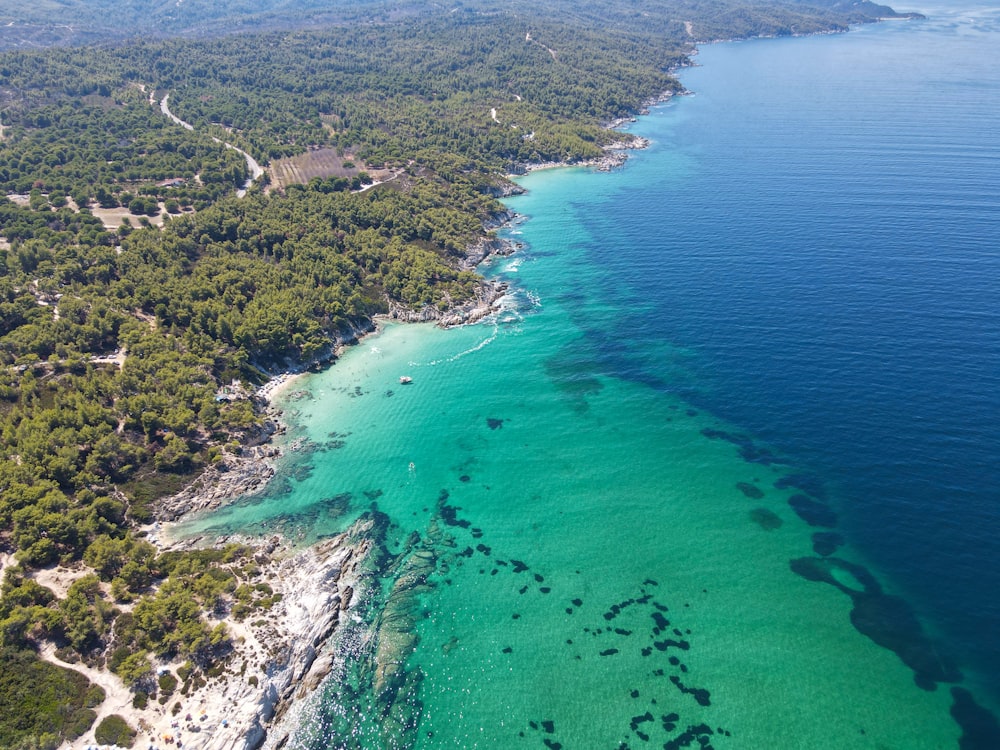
323	162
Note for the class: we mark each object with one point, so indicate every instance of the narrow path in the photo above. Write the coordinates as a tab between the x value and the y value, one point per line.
117	697
552	52
256	170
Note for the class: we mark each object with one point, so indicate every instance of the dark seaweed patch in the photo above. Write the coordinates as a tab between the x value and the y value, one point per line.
661	622
980	729
549	726
749	451
646	725
338	504
887	620
578	602
519	567
825	543
495	424
701	695
750	490
544	589
484	549
766	519
449	513
699	734
637	720
808	483
813	512
465	478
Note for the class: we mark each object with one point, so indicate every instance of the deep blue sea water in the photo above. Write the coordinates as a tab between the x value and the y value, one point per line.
823	236
723	471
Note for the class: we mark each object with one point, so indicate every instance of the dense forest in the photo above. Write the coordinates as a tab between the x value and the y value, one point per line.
51	22
117	339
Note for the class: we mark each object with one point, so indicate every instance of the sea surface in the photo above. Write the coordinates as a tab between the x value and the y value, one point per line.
725	469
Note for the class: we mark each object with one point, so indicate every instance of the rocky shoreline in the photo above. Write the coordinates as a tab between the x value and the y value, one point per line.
284	657
275	660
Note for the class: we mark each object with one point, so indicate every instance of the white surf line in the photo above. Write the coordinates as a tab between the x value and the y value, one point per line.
494	334
256	170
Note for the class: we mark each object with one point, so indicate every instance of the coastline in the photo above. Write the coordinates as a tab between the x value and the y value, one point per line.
315	585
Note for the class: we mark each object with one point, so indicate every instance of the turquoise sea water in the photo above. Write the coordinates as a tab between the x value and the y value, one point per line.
723	471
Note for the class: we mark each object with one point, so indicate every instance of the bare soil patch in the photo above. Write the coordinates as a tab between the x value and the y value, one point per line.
112	217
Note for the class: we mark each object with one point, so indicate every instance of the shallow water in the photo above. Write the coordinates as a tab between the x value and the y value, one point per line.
778	321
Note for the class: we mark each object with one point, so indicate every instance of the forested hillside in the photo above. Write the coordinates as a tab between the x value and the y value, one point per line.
50	22
117	337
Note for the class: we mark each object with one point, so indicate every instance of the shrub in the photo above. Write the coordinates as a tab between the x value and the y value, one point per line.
114	730
167	683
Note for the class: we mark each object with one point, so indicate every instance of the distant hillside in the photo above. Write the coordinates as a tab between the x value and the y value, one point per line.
48	23
58	22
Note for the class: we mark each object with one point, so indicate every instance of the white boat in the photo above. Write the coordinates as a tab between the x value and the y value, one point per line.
404	379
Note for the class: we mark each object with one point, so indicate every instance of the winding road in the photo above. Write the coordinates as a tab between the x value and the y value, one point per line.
256	170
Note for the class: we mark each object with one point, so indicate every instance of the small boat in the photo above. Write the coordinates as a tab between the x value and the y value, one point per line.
404	379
